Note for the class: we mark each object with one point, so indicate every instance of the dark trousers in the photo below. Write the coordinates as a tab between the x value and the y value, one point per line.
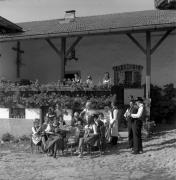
114	140
130	133
137	135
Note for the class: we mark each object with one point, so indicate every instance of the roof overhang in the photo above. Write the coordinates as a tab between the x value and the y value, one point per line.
133	22
155	28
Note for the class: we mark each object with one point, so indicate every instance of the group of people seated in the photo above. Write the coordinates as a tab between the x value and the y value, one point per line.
91	127
106	81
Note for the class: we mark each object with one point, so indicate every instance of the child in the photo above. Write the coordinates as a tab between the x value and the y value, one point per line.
36	135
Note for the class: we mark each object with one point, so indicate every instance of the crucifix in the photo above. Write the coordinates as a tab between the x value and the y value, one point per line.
18	58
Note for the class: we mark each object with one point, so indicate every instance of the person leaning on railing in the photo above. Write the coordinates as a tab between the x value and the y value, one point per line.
106	79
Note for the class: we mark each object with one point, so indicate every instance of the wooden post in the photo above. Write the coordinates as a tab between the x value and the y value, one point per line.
18	58
148	64
63	50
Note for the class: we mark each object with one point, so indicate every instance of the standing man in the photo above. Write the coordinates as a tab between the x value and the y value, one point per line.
137	119
131	110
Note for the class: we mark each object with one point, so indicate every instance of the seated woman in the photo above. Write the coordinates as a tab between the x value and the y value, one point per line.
90	136
44	126
55	139
36	132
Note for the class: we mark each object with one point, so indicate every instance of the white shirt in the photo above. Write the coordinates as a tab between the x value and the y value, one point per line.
92	127
34	130
48	128
127	113
139	113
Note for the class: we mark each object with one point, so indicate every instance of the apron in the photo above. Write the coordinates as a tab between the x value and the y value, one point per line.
114	130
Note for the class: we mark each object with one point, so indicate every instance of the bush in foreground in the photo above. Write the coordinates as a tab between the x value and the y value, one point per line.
7	137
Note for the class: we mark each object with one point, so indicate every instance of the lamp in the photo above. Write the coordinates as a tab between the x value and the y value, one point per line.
72	55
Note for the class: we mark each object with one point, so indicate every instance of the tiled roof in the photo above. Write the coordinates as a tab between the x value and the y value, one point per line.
101	24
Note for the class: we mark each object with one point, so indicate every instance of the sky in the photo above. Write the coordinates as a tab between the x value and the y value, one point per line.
34	10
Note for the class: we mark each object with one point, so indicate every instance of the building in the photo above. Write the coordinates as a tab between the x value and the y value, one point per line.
91	48
165	4
54	49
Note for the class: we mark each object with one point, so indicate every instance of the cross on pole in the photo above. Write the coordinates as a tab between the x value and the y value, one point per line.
18	58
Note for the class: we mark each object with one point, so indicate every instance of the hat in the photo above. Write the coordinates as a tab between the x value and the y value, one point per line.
131	99
139	99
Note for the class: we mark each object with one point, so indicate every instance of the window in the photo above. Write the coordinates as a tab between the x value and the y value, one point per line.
70	74
128	77
137	78
17	113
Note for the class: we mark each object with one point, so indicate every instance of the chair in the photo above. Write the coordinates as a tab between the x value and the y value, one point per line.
101	141
37	147
71	139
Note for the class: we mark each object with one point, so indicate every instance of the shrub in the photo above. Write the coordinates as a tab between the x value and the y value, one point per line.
7	137
163	105
24	138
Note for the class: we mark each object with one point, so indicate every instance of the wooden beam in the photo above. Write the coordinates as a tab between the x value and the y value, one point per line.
53	47
18	60
160	41
63	50
148	63
18	57
137	43
73	45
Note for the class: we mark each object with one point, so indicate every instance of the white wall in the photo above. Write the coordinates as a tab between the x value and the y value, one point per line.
96	54
12	126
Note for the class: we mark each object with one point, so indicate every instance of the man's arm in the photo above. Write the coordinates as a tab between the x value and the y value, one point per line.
139	113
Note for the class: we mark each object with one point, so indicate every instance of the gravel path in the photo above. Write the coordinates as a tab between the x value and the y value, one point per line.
157	162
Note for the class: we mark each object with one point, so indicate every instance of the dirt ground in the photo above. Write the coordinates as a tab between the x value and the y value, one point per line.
157	162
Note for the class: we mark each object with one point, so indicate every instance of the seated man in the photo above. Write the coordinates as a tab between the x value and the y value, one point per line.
55	139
